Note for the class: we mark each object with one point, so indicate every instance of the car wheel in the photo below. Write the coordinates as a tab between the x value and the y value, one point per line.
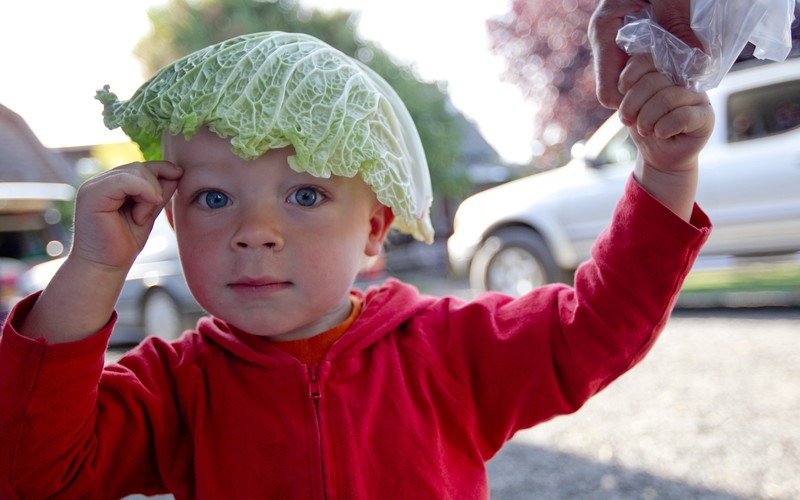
161	316
513	261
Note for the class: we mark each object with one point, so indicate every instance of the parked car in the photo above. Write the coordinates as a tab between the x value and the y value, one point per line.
537	230
155	299
31	231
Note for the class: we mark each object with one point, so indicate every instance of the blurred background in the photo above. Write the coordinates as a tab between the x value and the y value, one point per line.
500	91
456	69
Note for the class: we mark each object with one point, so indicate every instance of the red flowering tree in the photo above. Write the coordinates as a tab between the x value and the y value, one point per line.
549	58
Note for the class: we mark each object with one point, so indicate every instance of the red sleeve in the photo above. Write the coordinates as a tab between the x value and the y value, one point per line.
53	411
527	360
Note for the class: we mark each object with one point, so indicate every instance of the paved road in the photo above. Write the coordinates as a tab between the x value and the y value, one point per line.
712	413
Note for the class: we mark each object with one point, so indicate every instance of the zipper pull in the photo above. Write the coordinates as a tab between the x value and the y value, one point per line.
314	387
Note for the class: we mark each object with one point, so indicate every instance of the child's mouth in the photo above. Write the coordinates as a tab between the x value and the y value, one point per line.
256	287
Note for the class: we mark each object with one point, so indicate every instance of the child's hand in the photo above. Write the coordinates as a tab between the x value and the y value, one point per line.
114	214
670	125
115	211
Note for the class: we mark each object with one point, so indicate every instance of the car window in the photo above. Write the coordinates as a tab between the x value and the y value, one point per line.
763	111
620	149
30	237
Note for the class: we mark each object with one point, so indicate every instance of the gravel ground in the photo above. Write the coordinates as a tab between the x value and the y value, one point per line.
711	413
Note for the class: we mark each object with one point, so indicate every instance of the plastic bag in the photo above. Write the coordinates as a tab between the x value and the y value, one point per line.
723	26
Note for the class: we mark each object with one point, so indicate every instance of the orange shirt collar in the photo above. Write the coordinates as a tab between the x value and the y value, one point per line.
313	350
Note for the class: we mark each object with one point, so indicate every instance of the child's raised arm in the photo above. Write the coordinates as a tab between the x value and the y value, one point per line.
114	214
670	125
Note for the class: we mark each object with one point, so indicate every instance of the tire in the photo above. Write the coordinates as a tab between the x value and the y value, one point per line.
161	316
513	261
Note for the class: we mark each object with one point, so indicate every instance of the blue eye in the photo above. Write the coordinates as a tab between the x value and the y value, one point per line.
213	199
306	197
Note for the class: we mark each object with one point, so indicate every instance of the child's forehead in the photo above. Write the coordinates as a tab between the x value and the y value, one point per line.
200	145
207	151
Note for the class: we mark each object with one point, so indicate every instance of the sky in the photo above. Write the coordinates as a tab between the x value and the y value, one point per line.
55	54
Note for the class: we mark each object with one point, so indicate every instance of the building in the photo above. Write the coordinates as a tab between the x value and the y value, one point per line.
23	158
35	184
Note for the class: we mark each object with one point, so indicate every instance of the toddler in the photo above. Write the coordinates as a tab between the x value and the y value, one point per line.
295	385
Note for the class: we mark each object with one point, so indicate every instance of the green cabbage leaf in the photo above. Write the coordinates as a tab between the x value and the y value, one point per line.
274	89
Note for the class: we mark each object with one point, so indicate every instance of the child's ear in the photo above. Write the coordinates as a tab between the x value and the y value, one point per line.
380	222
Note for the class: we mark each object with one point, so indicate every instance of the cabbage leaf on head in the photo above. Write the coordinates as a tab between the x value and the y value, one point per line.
274	89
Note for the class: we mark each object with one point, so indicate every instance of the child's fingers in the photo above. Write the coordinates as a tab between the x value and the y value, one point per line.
160	179
164	170
676	103
143	213
648	85
638	66
168	175
155	174
689	120
129	186
164	178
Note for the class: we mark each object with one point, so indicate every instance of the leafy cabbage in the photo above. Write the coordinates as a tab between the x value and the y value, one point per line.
274	89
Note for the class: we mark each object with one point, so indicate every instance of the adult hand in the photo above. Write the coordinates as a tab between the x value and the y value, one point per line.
609	59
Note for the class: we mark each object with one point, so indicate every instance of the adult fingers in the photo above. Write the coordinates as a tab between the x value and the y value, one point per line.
609	59
675	16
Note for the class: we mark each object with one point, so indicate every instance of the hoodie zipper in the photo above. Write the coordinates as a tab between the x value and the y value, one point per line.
314	388
315	394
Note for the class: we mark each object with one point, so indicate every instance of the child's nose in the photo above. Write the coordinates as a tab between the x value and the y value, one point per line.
258	229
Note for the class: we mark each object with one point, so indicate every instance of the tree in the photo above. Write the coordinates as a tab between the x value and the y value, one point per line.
183	26
549	58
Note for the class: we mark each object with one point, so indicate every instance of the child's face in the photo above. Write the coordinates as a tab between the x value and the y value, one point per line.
269	250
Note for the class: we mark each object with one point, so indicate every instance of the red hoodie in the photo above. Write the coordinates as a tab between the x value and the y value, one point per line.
409	403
